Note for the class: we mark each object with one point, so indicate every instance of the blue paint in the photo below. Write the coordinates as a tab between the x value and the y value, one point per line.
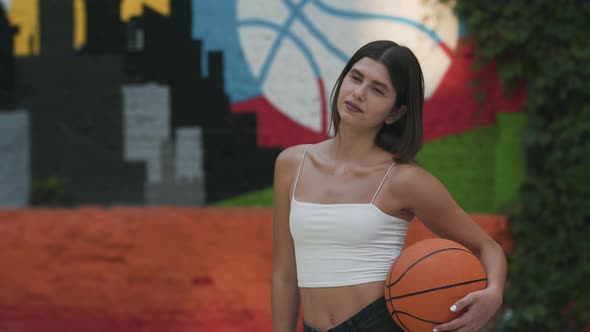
298	42
214	22
277	43
323	39
370	16
462	26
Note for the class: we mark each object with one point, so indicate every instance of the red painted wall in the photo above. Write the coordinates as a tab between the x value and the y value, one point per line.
144	269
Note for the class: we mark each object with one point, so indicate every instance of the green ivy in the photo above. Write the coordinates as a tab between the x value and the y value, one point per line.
544	47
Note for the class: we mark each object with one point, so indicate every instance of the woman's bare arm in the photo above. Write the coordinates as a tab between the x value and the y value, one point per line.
285	293
430	201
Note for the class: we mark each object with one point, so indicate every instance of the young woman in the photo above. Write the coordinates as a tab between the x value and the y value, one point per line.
342	206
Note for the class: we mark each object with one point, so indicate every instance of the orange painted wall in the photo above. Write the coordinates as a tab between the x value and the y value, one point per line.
145	269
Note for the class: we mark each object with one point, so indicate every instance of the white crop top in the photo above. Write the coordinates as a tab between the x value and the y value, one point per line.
343	244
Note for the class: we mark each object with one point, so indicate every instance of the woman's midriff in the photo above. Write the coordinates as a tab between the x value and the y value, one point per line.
327	307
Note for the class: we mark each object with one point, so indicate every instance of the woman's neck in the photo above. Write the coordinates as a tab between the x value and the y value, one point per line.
353	146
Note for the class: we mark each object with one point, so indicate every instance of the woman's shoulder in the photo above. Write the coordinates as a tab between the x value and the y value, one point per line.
410	174
290	157
291	153
413	182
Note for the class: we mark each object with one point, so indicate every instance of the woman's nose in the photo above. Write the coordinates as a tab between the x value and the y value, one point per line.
359	93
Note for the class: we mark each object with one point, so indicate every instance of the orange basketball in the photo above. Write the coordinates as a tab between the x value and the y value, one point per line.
427	278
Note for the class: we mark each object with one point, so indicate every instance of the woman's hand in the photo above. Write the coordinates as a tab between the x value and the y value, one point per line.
481	306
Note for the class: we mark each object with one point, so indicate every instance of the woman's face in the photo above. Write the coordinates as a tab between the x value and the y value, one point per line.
367	96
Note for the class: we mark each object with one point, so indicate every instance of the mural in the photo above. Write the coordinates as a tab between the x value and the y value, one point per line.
128	117
189	102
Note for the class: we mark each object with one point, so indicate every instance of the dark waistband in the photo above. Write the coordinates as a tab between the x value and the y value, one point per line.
359	317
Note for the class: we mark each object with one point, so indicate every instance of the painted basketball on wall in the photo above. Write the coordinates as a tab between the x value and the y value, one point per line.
295	50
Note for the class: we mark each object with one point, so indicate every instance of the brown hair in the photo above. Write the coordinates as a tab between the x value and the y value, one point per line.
404	137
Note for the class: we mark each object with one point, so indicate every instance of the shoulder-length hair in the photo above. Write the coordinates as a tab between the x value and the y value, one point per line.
404	137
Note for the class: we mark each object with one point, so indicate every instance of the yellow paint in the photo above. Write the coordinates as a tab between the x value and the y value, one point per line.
25	15
130	8
79	23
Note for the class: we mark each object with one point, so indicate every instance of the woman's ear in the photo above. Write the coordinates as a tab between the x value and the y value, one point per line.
396	115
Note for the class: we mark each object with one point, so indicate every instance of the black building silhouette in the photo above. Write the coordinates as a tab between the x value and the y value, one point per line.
75	102
75	106
161	49
104	29
7	32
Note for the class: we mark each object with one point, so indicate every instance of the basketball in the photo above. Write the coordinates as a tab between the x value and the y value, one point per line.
426	279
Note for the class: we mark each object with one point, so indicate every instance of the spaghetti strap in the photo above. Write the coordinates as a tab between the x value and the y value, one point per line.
299	171
382	181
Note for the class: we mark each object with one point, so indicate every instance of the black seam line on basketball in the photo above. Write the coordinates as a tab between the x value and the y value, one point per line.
404	327
394	312
418	318
437	288
421	259
402	322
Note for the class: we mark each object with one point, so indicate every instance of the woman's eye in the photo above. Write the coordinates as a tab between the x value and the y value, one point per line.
355	78
378	91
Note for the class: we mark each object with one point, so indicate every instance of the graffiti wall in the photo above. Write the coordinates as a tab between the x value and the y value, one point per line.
189	102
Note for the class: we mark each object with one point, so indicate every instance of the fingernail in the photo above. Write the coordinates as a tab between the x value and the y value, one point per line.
454	308
434	330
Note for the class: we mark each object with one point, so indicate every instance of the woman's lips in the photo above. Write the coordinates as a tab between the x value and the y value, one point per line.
352	107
